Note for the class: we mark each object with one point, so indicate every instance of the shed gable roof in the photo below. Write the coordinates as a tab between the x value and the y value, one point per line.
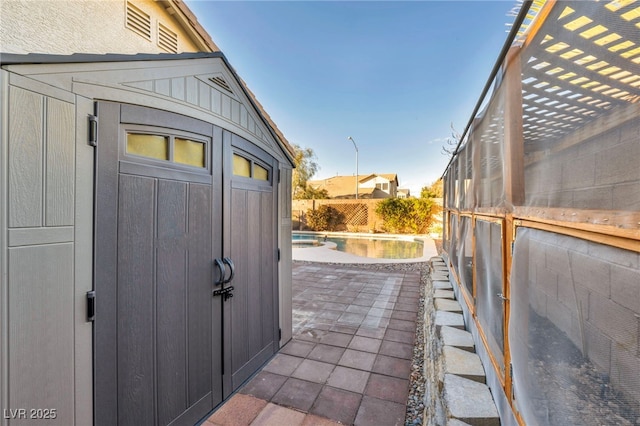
192	86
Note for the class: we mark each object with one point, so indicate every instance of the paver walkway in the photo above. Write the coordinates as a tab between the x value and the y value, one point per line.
350	357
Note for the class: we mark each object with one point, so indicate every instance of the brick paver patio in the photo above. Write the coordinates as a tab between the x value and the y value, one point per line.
350	357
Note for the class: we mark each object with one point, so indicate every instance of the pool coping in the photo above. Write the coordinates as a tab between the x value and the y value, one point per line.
325	253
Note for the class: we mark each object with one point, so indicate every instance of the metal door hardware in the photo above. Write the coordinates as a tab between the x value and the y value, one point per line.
225	292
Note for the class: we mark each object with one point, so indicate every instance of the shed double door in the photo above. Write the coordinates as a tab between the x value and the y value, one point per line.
169	342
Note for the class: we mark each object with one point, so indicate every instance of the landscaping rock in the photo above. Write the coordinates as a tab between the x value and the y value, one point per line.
454	337
450	319
463	363
469	401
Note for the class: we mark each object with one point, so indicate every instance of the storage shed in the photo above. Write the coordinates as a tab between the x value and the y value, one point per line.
145	242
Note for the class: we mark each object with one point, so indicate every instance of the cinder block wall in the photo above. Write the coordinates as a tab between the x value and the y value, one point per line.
591	292
600	173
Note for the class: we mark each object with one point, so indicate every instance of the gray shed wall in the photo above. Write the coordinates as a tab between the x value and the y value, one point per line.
47	256
46	243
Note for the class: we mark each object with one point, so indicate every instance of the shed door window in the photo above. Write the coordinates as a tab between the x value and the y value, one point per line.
189	152
241	166
152	146
260	172
171	148
247	168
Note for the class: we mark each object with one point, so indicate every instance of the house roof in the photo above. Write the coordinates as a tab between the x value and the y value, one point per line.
39	58
363	193
339	186
189	22
336	185
388	176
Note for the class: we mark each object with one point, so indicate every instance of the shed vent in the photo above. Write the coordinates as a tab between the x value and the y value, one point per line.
222	83
138	21
167	39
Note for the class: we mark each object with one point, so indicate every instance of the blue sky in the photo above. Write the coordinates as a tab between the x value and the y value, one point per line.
393	75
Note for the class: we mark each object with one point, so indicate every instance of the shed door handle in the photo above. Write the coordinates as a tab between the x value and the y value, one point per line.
229	262
221	270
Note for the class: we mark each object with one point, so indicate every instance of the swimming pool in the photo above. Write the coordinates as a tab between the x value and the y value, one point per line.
377	247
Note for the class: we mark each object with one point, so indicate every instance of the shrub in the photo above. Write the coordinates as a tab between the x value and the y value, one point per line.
325	218
405	215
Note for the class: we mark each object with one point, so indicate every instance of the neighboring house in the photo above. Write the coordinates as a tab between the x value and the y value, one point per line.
139	191
369	186
404	193
387	183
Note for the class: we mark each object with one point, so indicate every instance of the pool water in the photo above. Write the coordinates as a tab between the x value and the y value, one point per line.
378	248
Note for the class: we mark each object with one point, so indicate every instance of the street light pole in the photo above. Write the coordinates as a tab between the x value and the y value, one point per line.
356	147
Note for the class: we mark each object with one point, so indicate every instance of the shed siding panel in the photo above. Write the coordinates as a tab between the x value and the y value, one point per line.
216	102
266	268
244	114
239	250
41	360
284	266
171	305
226	106
235	111
136	293
60	155
199	309
192	90
163	86
285	191
178	88
83	273
25	158
254	299
285	282
204	96
38	236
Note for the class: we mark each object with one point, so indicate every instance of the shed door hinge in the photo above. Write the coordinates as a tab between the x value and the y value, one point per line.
278	255
91	305
279	334
93	130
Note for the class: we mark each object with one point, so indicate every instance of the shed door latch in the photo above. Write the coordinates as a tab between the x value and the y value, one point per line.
93	130
226	292
91	305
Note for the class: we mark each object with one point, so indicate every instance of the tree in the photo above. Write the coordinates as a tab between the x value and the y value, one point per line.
311	193
325	218
406	215
306	167
435	190
451	143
